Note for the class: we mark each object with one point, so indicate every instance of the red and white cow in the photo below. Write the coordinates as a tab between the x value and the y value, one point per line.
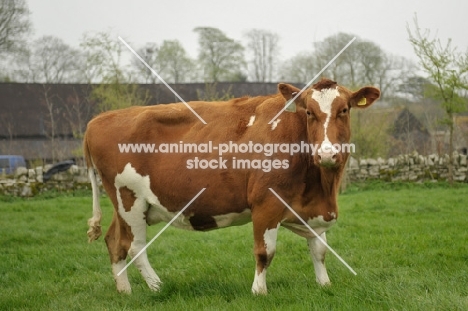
147	188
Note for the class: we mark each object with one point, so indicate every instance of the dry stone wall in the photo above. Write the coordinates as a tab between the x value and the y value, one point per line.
411	167
29	182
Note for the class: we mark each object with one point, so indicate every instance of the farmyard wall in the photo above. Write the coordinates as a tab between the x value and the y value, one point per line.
410	167
29	182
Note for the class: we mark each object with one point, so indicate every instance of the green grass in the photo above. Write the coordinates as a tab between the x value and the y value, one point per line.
407	242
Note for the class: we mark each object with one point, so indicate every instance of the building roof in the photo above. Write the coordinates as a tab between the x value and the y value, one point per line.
31	114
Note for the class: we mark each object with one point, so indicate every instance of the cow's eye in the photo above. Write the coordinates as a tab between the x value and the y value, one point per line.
310	114
344	111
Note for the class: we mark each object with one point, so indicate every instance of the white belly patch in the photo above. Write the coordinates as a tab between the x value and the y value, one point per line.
147	202
318	224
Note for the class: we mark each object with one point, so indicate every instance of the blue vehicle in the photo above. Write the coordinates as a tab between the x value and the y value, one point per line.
9	163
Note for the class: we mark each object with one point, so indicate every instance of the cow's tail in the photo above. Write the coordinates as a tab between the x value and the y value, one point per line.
94	223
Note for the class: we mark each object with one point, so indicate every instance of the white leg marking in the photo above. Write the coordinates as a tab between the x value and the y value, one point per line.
275	124
269	237
143	265
94	222
123	286
259	286
317	252
135	218
251	121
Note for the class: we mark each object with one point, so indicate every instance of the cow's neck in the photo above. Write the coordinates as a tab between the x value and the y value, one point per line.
329	180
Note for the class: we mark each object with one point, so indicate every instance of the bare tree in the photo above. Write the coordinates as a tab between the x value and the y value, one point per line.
170	61
448	70
149	53
53	61
7	126
173	58
14	24
102	58
362	63
51	118
78	110
394	74
263	48
358	65
221	58
300	68
15	27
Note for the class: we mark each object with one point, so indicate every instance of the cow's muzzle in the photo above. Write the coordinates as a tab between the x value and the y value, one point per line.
327	155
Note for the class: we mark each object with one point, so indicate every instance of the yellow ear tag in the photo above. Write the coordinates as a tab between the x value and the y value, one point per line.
291	107
362	102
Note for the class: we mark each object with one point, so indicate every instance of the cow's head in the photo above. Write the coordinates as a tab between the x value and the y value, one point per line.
327	108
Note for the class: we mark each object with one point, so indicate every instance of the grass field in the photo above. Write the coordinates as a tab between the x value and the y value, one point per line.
407	242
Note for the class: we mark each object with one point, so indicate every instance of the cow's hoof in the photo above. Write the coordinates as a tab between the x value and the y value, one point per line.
154	286
124	290
325	284
259	291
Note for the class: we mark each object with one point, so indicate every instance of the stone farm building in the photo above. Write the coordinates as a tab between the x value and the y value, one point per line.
45	122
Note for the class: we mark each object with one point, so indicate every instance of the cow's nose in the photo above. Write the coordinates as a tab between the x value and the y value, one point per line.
327	154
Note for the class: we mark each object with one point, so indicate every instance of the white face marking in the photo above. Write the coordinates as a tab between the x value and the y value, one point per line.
270	239
251	121
259	286
275	124
325	99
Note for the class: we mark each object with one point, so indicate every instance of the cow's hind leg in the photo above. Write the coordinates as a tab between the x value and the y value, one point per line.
264	250
117	240
135	217
317	252
141	262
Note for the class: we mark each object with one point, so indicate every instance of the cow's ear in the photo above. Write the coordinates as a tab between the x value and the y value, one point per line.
364	97
288	91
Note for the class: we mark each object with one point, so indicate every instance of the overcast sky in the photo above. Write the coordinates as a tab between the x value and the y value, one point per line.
298	23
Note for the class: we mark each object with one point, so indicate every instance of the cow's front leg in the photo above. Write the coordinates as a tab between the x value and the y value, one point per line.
317	252
264	250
